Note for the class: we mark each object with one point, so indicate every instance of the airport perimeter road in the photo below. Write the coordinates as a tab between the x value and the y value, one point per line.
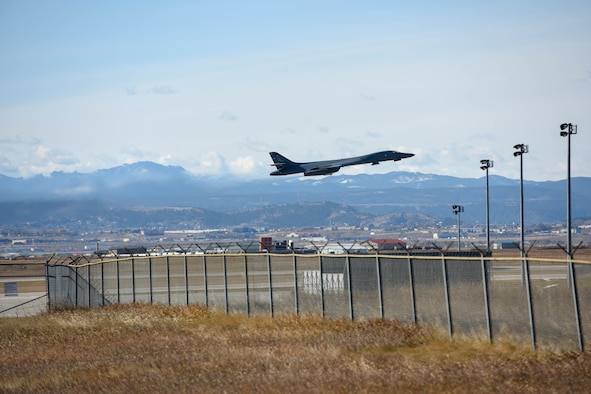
22	295
25	304
542	272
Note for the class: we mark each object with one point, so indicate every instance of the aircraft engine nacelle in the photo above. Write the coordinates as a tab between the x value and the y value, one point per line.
321	171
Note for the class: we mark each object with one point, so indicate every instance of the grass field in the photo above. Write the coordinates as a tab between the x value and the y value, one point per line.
143	348
139	348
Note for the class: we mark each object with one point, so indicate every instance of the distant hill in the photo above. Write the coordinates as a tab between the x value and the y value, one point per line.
278	201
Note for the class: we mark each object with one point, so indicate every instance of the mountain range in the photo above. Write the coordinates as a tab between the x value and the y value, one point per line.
145	192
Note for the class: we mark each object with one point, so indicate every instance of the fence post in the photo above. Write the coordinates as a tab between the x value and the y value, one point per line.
76	284
446	289
576	304
118	282
103	282
486	303
47	285
348	269
150	278
205	280
246	284
411	281
133	279
379	278
321	285
168	277
225	281
271	309
295	282
186	279
525	265
89	285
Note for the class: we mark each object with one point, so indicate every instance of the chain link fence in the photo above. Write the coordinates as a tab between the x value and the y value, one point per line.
536	300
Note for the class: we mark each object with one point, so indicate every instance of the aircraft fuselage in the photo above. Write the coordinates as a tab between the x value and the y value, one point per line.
326	167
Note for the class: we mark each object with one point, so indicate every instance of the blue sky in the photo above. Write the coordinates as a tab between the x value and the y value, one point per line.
214	86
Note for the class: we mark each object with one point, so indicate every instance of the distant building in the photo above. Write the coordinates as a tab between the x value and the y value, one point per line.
505	244
387	244
342	248
282	246
265	244
446	235
131	251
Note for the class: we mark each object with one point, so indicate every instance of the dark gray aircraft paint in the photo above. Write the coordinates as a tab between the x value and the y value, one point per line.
287	167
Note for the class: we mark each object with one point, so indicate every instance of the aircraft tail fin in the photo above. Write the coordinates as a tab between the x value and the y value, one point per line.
279	160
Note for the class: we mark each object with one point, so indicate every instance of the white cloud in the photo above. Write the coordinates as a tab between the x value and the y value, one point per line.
164	160
130	91
373	135
20	139
41	153
242	165
162	89
44	160
367	97
228	116
132	154
211	163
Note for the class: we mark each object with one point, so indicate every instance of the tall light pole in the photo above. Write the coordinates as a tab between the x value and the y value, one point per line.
525	278
521	149
486	164
457	209
567	130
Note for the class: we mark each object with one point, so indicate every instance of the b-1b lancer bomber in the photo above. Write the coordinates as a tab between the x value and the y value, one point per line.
287	167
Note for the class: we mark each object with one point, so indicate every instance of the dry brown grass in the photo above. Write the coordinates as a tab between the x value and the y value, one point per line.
140	348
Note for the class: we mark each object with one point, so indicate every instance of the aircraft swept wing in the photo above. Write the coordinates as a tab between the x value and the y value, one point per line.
287	167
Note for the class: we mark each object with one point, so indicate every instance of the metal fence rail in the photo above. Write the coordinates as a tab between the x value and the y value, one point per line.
534	300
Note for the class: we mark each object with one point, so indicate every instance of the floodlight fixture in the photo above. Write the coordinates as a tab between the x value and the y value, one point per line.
521	149
486	164
572	129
